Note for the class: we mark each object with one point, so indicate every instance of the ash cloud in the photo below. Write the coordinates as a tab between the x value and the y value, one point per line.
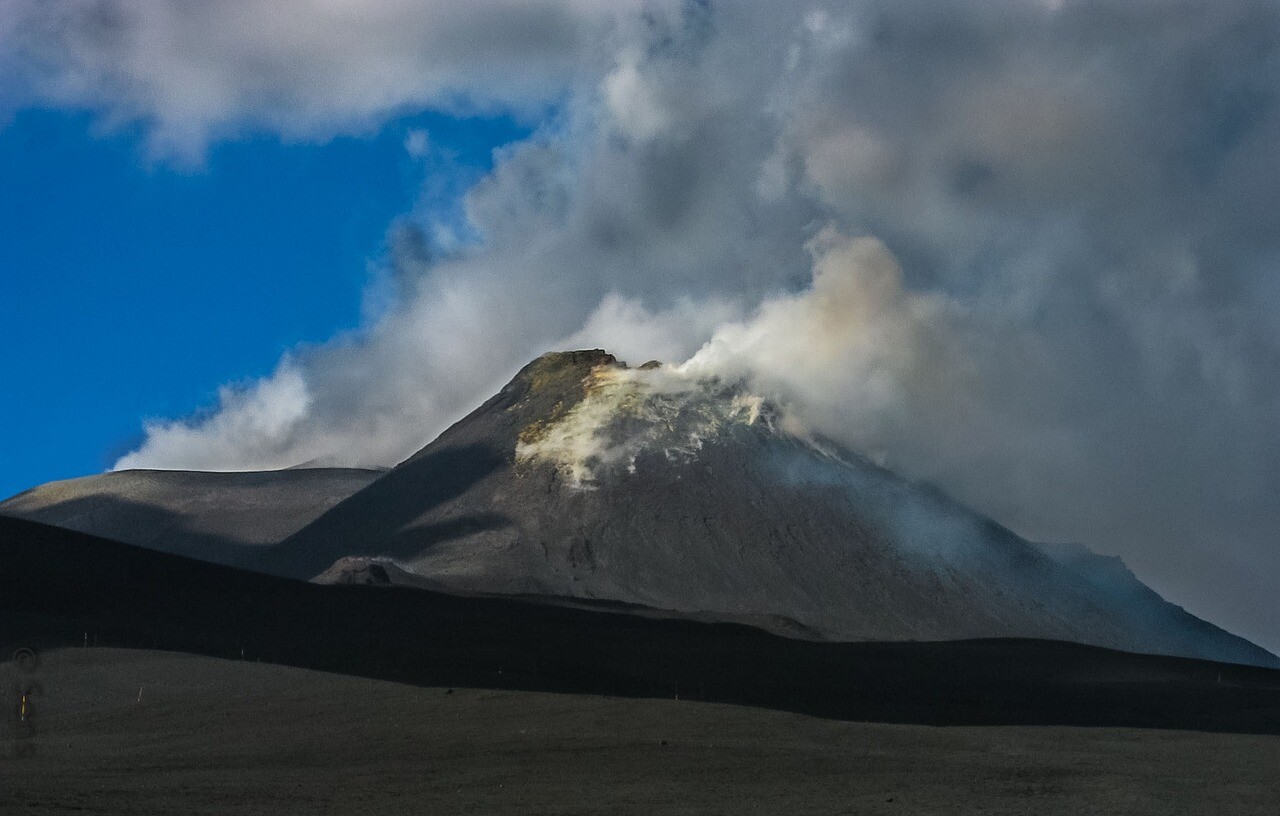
1024	250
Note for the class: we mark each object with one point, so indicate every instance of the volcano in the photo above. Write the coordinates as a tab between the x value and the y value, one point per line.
588	482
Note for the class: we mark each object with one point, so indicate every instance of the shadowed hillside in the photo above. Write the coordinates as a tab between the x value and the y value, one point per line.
226	518
62	588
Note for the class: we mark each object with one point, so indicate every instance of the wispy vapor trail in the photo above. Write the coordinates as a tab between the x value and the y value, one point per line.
1026	250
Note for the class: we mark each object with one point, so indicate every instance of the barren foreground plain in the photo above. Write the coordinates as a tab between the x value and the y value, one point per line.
142	732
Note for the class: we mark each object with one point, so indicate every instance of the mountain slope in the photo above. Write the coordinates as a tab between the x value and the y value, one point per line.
226	518
61	588
585	479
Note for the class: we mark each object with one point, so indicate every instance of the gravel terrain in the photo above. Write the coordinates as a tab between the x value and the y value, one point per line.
132	732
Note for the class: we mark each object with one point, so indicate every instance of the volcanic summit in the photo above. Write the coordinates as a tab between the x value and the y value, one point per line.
586	481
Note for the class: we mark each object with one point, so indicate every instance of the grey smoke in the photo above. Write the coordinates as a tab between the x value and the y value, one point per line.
1039	239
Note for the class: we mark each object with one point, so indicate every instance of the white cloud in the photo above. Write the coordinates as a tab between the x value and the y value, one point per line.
634	103
416	143
192	71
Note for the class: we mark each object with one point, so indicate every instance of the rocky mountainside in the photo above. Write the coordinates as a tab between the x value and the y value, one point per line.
586	479
227	518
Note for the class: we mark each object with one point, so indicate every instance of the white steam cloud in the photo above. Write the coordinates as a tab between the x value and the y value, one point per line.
1026	250
850	351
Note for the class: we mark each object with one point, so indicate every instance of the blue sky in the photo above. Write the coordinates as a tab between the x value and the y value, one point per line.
132	287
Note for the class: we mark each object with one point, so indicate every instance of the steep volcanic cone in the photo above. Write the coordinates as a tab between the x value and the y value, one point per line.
584	479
